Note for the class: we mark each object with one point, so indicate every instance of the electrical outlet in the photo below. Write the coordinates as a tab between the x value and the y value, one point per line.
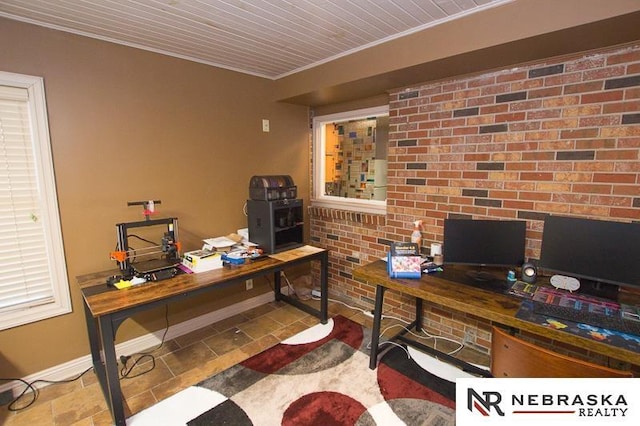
249	284
469	336
265	125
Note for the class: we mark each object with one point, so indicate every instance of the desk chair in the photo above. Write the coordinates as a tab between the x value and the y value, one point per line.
513	357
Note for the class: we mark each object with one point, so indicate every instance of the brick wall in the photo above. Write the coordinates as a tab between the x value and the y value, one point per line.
560	137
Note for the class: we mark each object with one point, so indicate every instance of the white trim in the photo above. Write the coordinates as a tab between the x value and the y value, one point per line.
41	143
139	344
318	198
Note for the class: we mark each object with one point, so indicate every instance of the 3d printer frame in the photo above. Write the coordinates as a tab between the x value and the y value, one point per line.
169	247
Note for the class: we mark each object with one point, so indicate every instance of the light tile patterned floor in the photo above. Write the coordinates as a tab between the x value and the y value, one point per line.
179	363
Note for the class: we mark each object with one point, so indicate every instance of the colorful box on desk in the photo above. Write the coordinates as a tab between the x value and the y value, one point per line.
404	261
202	260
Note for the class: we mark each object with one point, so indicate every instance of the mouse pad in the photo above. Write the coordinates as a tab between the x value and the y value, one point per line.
615	338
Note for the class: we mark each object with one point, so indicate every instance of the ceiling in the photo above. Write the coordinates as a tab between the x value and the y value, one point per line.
266	38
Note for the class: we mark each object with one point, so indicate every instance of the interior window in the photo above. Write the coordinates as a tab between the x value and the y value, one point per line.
350	160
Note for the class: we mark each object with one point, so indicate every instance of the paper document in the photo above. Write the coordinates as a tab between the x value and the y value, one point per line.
295	253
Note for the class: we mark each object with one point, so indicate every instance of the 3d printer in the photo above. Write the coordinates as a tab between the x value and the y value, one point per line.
153	258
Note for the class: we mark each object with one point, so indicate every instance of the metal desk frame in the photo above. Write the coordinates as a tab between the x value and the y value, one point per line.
102	326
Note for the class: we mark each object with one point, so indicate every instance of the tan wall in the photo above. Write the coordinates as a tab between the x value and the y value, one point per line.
133	125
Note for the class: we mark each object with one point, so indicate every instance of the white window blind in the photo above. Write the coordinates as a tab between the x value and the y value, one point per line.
33	280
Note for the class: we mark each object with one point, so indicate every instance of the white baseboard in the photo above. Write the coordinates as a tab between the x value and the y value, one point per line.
142	343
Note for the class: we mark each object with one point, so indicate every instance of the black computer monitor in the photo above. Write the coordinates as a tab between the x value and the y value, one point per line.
484	243
597	251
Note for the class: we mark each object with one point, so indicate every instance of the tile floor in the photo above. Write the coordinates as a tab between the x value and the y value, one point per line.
180	363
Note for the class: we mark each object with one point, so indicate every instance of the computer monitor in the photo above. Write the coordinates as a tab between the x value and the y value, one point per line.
484	243
597	251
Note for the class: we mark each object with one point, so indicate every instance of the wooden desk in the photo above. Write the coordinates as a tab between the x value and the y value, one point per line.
493	306
106	308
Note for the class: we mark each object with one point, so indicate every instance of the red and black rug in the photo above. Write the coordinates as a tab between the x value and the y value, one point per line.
318	377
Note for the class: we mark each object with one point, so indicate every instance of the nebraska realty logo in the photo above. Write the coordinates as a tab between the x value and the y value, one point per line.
562	401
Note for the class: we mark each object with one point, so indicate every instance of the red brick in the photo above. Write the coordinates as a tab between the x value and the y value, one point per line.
494	109
608	96
511	76
606	120
525	105
480	120
632	92
560	124
537	136
520	166
617	154
465	131
456	86
579	134
572	177
441	115
482	81
561	101
428	125
545	93
408	111
605	200
538	156
630	190
518	86
562	79
582	110
465	94
520	205
483	100
625	213
535	196
418	134
475	175
552	207
524	126
496	89
555	166
592	86
589	210
516	116
542	114
502	213
603	73
585	63
619	107
592	188
619	58
614	178
441	98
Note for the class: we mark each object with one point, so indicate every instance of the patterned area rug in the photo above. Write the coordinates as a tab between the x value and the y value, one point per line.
318	377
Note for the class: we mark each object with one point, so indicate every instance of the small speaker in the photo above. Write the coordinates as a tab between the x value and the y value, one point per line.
529	272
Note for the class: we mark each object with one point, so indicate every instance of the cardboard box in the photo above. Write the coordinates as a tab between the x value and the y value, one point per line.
202	260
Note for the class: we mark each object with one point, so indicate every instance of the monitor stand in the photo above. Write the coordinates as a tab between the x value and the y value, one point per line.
481	276
599	289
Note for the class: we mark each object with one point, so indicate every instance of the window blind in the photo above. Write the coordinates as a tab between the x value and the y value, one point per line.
25	273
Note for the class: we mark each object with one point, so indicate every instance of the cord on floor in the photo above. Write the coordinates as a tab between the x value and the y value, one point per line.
124	372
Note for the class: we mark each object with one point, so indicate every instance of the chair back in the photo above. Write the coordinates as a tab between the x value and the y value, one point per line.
514	357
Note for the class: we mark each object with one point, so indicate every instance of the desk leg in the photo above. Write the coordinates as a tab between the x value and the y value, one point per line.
375	331
277	285
418	314
113	392
94	340
324	287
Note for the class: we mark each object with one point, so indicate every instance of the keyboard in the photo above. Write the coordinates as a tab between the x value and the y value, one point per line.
611	321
